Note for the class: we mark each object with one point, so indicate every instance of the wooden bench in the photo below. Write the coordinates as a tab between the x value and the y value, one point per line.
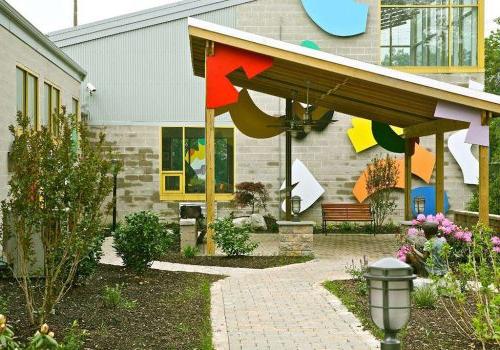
345	212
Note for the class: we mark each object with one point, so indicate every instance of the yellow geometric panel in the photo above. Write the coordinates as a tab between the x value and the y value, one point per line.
361	135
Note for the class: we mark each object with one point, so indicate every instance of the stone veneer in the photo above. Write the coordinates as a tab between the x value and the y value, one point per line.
470	218
296	238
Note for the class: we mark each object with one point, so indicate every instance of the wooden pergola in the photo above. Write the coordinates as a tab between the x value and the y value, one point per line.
351	87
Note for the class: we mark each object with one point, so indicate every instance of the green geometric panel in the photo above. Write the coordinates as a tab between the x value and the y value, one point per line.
387	138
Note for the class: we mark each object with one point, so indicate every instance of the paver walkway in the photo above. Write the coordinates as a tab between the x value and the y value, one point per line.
287	307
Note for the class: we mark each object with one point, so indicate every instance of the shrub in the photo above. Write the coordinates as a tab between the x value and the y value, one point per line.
381	178
113	298
477	282
425	297
56	191
190	252
4	305
7	341
74	338
251	194
271	223
175	244
358	274
233	241
141	239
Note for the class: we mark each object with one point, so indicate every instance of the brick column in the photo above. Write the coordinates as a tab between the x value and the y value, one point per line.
296	238
188	232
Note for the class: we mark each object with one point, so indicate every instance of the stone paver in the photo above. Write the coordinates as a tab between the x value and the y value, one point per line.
287	307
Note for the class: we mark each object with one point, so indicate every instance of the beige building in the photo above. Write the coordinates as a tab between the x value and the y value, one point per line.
151	106
36	77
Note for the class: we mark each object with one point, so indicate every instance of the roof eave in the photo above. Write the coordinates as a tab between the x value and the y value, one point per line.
38	36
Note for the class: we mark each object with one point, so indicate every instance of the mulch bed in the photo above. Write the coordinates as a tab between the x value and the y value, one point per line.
172	310
251	262
429	329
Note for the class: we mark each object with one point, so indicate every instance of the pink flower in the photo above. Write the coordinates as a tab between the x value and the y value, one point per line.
421	218
439	217
496	249
412	231
467	237
495	240
447	230
414	222
403	252
446	223
430	218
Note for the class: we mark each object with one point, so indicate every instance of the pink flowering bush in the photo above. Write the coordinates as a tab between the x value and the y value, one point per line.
457	239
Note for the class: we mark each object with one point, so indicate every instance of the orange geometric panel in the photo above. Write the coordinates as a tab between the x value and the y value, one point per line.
227	59
422	165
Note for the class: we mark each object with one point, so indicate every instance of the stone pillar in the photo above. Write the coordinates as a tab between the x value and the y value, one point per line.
188	232
296	238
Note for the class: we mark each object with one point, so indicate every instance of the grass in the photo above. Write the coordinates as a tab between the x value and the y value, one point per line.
351	302
425	297
428	328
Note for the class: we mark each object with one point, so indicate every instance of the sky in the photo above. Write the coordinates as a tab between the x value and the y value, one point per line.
51	15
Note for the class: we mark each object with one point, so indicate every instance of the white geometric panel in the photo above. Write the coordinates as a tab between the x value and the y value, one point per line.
462	153
307	187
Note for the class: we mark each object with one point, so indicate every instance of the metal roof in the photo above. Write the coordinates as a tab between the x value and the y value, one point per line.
138	20
342	84
15	23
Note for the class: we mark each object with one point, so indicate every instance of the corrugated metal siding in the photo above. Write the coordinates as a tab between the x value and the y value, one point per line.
145	76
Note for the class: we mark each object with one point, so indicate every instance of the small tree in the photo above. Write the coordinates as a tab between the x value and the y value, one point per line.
251	194
57	189
381	178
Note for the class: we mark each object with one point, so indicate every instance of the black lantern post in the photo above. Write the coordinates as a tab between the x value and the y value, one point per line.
390	283
114	170
296	201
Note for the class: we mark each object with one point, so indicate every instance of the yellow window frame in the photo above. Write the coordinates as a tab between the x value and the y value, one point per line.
26	73
450	68
52	108
181	195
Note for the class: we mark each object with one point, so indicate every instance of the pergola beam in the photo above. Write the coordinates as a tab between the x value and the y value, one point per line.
433	127
407	174
210	165
484	178
440	172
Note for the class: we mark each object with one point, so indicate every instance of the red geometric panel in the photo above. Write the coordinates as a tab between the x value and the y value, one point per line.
226	59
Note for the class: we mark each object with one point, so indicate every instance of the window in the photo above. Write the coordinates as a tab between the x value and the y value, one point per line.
430	33
27	95
74	106
183	166
51	105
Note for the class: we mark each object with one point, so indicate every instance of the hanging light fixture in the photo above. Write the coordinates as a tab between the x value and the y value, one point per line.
307	119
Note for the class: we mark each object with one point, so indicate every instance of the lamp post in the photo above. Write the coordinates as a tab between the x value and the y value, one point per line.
296	200
390	282
114	170
419	205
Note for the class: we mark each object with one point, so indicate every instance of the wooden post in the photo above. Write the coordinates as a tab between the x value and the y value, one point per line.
484	178
210	164
440	172
288	164
408	209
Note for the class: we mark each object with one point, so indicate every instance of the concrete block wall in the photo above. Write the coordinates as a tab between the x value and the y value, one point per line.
328	155
14	52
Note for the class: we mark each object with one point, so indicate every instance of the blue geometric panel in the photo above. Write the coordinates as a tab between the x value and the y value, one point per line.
429	193
338	17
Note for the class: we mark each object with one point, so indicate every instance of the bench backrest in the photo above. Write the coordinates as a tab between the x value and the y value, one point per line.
346	212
